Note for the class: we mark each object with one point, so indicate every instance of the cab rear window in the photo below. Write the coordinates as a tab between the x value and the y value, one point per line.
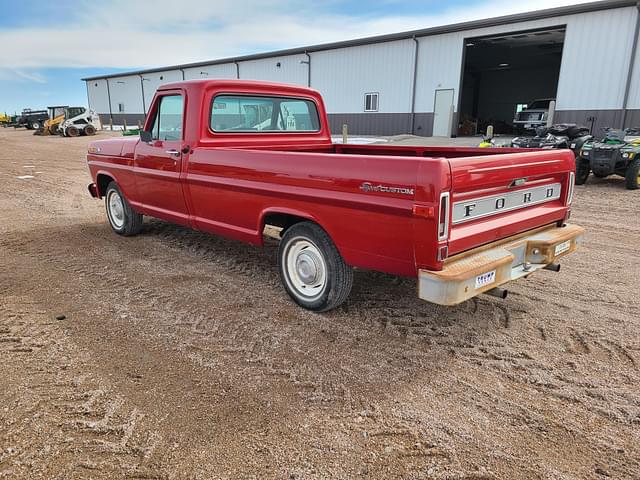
244	113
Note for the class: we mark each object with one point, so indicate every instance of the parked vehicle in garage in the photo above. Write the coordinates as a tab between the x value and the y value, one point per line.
230	156
618	153
535	115
563	135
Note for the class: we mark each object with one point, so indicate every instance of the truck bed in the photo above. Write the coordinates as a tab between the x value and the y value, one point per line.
390	150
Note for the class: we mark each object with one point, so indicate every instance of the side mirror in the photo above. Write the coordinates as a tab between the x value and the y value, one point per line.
146	136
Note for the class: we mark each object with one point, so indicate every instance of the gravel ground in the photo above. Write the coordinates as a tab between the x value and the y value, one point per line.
180	355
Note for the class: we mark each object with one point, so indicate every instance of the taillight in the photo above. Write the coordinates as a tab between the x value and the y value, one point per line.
572	178
443	253
443	217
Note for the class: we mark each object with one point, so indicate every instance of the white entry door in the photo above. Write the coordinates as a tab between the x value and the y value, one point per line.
443	113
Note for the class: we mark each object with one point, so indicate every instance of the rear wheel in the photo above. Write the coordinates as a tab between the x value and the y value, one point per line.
34	125
311	269
582	171
632	178
89	130
122	218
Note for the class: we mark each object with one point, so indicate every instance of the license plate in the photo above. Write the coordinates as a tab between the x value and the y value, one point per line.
573	145
527	125
562	247
485	279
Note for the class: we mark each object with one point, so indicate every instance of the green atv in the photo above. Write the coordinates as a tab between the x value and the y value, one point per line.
617	154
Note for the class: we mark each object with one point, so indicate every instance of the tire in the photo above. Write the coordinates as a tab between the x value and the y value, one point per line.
582	171
632	177
34	125
123	219
89	130
311	269
72	131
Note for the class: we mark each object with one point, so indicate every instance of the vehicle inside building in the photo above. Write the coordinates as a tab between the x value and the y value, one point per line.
507	74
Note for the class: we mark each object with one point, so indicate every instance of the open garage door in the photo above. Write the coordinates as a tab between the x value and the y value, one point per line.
505	74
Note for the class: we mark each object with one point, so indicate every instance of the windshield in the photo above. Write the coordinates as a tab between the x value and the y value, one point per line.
539	105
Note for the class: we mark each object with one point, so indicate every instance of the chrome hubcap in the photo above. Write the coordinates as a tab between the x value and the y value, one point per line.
306	268
116	209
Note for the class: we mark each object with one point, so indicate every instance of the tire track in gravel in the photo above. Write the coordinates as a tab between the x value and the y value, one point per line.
81	428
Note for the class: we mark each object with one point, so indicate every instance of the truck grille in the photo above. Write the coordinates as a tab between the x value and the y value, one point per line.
526	117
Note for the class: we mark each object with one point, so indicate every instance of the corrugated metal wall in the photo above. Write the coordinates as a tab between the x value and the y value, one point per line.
98	97
126	91
227	70
439	67
634	91
288	69
344	75
151	82
595	60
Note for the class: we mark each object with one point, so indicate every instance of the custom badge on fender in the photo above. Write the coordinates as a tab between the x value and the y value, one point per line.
369	187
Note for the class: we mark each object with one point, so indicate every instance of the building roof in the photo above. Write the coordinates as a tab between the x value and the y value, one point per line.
439	30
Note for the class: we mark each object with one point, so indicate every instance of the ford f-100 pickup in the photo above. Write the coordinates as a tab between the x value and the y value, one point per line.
231	157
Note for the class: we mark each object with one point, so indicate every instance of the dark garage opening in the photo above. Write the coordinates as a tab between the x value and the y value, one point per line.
503	74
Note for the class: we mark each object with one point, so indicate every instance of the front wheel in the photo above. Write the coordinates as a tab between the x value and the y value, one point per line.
311	269
632	178
122	218
582	171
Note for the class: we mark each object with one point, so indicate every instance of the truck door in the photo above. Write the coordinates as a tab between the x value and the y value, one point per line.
158	164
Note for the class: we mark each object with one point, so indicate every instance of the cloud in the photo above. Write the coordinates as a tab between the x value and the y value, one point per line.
126	34
12	74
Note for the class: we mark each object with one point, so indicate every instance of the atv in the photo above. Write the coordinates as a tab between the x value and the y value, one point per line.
563	135
618	153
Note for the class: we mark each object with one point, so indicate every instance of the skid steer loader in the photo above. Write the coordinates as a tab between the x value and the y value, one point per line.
50	126
70	122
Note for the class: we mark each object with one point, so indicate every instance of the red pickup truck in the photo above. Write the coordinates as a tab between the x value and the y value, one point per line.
231	157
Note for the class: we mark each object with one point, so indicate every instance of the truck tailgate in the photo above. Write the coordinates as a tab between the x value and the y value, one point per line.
496	196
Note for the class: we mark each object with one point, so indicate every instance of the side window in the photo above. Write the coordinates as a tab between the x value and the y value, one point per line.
168	121
263	114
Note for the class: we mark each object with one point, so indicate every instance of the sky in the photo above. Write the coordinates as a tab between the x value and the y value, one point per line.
47	47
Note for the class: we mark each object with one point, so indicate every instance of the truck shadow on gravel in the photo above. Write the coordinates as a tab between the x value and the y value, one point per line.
379	299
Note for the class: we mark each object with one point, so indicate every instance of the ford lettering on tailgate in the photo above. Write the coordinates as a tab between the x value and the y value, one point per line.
485	206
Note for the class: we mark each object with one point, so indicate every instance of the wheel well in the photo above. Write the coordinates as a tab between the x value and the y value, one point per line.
282	220
103	182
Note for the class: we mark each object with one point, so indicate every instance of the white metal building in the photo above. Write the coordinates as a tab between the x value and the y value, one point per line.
437	80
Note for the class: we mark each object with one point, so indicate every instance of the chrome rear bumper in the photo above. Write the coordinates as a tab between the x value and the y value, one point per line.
471	273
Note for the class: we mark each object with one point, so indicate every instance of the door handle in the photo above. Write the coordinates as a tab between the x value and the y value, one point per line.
173	152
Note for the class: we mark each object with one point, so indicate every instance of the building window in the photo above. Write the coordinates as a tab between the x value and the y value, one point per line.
121	107
371	102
